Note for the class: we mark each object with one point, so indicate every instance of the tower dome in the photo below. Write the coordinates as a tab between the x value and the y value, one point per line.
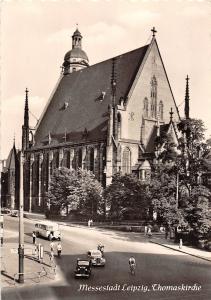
75	59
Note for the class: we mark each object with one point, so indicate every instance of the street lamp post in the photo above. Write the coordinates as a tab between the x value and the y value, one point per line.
21	225
177	189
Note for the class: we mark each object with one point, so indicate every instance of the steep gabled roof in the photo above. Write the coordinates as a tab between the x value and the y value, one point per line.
11	160
77	105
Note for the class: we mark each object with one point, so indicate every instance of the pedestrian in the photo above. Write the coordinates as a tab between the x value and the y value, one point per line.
34	237
52	246
149	232
145	230
89	223
59	249
51	258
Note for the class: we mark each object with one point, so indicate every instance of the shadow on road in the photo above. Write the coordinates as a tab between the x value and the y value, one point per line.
151	269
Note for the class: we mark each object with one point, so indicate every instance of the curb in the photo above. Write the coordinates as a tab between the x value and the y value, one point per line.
58	277
107	228
185	252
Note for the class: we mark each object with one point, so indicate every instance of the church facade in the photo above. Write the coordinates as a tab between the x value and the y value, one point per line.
103	118
10	173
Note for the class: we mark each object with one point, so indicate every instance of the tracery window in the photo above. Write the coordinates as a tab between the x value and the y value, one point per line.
146	108
92	159
153	97
119	125
126	161
80	158
68	159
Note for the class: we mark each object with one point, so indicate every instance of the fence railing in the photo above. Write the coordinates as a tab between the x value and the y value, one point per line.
25	274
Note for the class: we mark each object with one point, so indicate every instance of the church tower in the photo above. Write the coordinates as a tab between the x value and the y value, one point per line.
75	59
187	99
25	127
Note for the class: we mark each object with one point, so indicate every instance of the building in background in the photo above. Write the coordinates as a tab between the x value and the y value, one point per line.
10	180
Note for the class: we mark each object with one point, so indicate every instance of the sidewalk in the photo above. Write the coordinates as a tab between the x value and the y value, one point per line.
35	272
202	254
34	216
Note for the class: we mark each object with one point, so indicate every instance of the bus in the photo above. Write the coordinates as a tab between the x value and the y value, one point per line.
47	229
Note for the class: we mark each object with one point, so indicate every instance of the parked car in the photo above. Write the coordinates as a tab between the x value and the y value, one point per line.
83	268
96	258
14	213
5	211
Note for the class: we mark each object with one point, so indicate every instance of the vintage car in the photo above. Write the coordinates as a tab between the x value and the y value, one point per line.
83	268
14	213
96	258
5	211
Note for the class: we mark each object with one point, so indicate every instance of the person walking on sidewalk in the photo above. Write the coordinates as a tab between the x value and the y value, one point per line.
145	229
34	237
149	232
59	249
52	246
51	258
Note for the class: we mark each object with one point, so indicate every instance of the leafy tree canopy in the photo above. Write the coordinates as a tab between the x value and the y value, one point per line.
125	196
75	190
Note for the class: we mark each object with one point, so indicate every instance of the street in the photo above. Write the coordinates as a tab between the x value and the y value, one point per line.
157	268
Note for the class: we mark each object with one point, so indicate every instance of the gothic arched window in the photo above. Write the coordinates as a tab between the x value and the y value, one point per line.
91	160
119	125
80	158
68	159
146	107
161	110
126	161
153	97
74	161
56	159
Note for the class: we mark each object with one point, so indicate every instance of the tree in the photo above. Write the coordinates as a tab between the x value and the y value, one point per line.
125	198
182	172
196	211
162	194
89	193
60	195
76	190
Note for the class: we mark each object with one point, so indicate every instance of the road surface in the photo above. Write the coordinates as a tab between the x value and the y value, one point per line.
159	274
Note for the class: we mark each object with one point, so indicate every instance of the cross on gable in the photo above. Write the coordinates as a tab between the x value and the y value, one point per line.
153	31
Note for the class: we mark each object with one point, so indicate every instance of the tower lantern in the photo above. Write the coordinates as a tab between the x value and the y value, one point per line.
75	59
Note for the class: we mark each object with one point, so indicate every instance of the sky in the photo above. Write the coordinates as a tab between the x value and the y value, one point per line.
36	34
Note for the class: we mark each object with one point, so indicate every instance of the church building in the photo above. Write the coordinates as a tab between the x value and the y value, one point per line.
10	173
103	118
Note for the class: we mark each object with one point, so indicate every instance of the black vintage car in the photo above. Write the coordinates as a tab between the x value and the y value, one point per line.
83	268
